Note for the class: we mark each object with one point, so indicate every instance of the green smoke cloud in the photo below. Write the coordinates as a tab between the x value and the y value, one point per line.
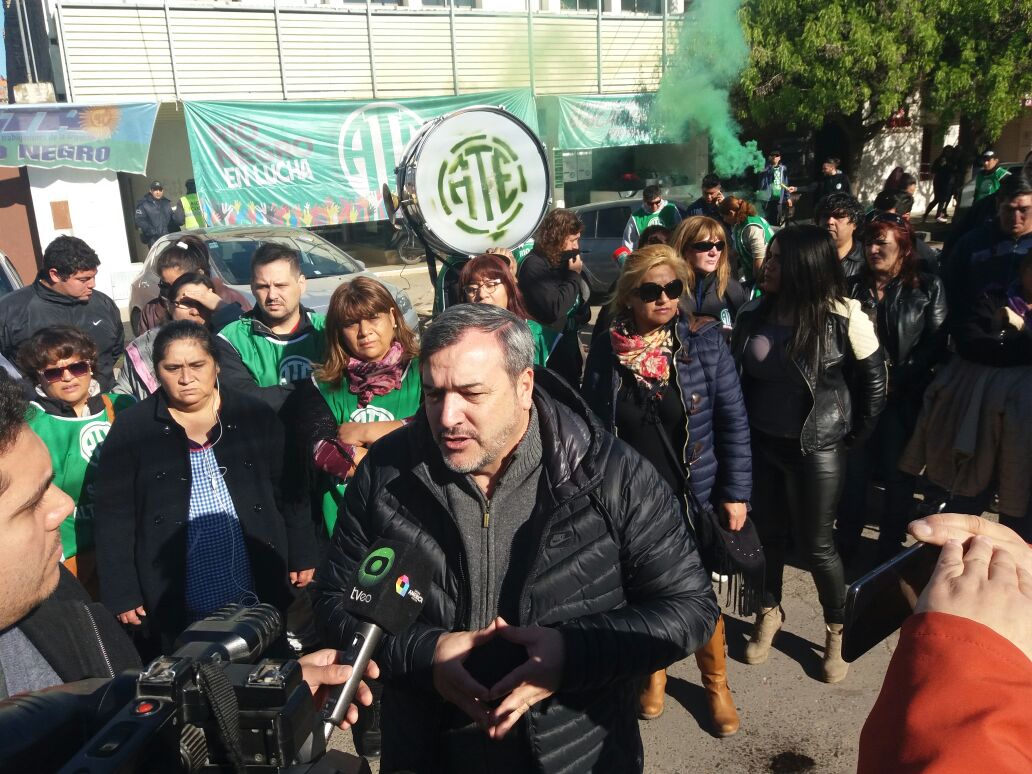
693	93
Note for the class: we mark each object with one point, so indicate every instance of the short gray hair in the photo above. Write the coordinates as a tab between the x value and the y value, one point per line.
456	321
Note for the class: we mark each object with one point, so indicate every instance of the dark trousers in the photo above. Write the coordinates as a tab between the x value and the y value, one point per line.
794	497
878	458
773	210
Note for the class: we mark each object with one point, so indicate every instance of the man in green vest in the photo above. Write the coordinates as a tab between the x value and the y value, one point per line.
989	177
190	206
654	211
273	346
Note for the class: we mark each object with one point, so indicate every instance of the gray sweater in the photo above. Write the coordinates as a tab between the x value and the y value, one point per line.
491	530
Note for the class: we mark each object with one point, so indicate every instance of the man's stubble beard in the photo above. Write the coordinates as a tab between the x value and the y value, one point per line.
492	448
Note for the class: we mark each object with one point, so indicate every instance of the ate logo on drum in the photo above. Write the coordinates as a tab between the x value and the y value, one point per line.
480	185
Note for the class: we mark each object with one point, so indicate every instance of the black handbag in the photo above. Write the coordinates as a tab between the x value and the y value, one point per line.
737	555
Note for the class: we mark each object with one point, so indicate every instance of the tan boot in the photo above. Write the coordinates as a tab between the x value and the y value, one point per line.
768	623
712	661
834	668
651	699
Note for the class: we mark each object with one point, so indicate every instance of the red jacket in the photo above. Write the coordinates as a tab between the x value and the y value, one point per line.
955	700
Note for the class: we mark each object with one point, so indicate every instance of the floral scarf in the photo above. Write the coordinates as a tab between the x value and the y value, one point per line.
369	378
647	357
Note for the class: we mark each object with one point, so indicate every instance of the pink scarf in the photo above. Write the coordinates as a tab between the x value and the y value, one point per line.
369	378
647	357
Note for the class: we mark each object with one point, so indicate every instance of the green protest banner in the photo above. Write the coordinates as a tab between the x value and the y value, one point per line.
608	121
112	137
312	163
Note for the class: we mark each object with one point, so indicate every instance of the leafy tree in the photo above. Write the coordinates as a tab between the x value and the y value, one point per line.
983	69
858	62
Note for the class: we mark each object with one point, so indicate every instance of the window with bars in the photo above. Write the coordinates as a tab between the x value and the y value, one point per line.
579	5
650	7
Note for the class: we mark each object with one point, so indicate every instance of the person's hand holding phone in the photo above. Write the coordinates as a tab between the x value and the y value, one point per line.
985	584
941	527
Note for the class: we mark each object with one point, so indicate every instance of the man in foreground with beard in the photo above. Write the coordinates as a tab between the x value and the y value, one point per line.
563	568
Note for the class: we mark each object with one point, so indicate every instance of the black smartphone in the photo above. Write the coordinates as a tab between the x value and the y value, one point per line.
878	603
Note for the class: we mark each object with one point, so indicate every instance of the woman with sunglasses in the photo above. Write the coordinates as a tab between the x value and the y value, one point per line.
908	309
188	298
813	376
368	386
554	290
712	291
73	417
663	380
191	515
188	255
487	279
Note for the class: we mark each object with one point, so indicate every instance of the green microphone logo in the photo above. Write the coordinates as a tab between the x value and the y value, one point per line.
376	566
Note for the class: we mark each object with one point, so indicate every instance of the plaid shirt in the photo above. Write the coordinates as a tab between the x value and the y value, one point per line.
218	571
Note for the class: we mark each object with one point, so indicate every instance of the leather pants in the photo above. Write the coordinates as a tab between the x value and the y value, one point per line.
795	497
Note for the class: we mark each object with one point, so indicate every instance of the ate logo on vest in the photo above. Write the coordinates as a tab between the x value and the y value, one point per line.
294	369
91	436
371	414
480	184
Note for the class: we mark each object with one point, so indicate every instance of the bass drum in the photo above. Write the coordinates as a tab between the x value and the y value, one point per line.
473	179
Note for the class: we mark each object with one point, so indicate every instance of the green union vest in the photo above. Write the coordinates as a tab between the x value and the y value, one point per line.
665	217
74	444
742	248
398	404
272	361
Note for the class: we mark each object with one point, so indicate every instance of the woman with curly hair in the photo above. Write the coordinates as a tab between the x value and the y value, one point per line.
555	292
488	279
72	416
750	235
712	291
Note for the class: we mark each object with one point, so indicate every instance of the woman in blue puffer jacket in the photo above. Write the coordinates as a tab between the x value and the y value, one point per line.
664	382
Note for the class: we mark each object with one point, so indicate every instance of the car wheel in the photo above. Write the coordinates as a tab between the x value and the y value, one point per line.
136	321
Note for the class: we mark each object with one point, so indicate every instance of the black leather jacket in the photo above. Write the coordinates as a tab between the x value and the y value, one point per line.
911	326
607	559
849	384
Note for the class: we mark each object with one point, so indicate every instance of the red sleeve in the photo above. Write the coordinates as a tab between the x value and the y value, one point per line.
955	700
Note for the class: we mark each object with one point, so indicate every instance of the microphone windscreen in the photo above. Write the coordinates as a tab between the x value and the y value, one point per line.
390	586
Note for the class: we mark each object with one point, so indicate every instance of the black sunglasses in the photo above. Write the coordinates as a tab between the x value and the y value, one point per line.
651	291
654	203
705	247
76	369
888	217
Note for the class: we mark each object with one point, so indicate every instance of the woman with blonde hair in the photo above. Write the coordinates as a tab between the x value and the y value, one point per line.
664	381
368	385
712	291
750	235
554	290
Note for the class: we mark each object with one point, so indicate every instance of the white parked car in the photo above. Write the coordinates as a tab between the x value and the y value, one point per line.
324	265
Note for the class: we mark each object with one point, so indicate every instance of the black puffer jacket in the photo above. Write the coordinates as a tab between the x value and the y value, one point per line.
613	567
849	385
911	326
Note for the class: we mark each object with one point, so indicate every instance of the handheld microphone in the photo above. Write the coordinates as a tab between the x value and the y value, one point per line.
386	595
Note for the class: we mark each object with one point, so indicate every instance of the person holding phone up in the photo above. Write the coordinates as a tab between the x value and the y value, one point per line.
955	696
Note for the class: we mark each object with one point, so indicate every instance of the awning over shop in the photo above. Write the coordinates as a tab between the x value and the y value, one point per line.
312	163
113	137
605	121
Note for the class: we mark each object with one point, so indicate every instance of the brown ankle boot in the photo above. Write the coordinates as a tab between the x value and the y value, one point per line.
833	669
768	623
712	661
651	700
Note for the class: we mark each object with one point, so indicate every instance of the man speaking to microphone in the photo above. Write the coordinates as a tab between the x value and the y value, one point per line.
560	568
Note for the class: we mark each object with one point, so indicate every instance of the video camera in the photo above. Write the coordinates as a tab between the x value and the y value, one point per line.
212	706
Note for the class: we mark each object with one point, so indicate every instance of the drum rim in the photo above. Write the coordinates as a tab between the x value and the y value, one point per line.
407	162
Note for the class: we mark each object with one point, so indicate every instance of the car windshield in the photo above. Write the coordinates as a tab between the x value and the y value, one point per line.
232	257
